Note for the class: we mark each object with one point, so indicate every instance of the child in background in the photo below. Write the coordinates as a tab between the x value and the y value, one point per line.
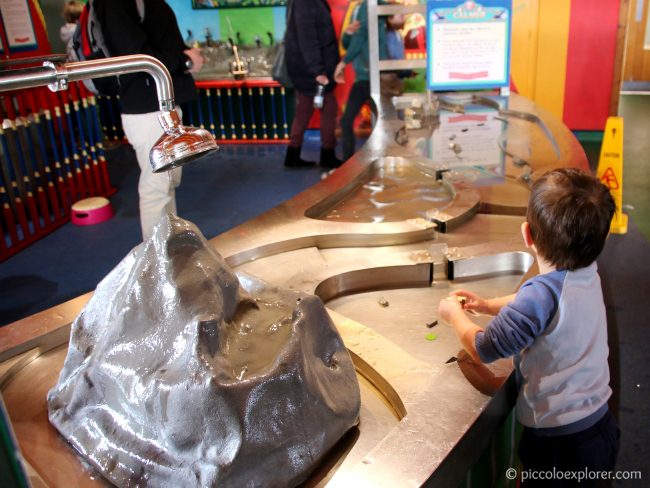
394	41
71	13
555	327
391	82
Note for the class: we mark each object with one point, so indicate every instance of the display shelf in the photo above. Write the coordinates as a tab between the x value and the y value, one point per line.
419	8
401	64
377	65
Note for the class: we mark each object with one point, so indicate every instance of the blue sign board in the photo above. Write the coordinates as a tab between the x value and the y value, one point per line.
468	44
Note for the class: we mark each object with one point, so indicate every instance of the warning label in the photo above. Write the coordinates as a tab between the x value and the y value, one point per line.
609	179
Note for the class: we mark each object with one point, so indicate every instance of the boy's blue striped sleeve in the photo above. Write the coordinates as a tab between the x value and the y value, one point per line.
521	321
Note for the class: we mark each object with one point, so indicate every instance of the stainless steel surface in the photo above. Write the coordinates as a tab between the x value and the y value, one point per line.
28	77
462	267
59	74
373	50
179	144
422	421
137	63
367	279
381	300
394	189
177	375
56	462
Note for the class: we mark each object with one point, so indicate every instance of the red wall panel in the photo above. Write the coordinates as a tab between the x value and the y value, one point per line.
590	63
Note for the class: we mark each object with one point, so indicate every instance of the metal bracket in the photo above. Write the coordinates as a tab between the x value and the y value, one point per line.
61	82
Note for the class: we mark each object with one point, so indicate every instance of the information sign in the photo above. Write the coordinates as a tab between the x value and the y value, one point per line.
468	44
18	25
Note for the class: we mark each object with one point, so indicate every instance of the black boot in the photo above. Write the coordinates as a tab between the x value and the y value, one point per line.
293	160
328	158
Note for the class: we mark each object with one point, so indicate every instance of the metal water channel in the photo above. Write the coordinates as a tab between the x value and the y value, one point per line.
450	219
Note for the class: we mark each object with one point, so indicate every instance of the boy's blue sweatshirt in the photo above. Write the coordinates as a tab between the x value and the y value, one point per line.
556	328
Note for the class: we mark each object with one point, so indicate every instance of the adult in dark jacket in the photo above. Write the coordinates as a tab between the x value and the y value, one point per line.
153	32
312	55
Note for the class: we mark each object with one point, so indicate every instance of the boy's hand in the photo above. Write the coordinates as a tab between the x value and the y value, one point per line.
451	311
473	302
448	307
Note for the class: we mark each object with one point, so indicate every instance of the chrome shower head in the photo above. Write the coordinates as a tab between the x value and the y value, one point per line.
179	145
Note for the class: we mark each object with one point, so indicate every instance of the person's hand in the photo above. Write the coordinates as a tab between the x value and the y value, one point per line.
473	302
339	75
322	80
352	28
196	57
448	307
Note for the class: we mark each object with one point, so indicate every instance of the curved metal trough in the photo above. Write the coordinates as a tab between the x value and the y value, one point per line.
381	270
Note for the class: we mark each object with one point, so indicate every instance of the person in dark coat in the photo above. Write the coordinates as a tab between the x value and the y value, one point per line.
312	54
153	31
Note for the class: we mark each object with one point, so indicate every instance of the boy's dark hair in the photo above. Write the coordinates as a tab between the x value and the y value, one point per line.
72	11
569	214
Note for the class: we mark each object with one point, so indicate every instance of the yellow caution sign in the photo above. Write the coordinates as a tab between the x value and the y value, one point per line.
610	170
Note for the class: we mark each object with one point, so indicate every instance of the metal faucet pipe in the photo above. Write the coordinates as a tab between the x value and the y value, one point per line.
57	76
179	144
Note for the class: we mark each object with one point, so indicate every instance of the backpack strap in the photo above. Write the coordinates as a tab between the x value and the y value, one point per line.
86	50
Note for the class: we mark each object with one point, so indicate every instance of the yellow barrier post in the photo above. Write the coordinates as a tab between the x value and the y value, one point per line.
610	170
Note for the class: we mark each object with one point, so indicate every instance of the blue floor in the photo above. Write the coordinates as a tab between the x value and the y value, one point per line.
237	184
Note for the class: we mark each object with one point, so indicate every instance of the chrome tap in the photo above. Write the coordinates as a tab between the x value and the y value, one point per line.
178	145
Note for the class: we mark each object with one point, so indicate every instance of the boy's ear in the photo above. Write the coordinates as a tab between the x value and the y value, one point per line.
525	233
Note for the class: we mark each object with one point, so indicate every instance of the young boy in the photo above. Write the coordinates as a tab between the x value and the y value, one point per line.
71	13
556	329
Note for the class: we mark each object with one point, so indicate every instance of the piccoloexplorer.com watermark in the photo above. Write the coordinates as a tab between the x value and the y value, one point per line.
584	474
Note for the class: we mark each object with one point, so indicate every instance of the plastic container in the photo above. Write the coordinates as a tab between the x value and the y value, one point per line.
91	211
